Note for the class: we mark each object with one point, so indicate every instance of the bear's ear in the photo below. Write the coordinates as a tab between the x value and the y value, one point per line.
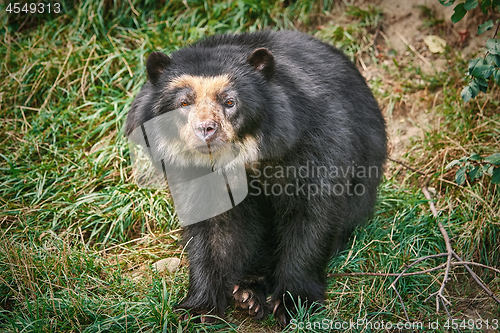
263	61
155	65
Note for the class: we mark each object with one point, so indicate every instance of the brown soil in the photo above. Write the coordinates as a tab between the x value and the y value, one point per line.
404	28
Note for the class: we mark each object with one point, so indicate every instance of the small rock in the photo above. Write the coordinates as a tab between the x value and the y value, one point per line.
169	264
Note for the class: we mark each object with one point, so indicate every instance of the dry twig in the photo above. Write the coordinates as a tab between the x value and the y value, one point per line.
413	49
406	166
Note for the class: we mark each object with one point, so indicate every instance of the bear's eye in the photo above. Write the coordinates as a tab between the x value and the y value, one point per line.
229	103
185	103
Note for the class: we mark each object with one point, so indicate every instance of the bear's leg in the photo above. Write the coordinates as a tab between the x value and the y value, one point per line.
220	251
307	241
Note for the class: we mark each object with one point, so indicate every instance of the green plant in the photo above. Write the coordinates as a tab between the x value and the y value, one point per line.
475	167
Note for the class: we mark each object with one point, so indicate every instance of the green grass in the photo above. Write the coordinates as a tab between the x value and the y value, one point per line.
78	238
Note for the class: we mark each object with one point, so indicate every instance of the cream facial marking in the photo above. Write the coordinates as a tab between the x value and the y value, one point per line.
205	106
203	87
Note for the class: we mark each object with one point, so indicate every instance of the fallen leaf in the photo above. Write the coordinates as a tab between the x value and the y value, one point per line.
435	43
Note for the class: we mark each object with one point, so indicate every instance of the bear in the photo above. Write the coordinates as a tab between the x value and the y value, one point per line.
313	143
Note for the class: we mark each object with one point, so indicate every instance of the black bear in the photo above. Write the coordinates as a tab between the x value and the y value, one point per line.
313	142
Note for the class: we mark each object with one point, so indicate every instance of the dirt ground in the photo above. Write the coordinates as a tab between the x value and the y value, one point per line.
405	17
402	30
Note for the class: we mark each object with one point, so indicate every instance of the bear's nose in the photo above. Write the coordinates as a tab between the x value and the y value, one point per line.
205	129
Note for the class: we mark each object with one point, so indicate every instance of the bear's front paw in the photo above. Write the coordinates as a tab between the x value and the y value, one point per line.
252	299
283	310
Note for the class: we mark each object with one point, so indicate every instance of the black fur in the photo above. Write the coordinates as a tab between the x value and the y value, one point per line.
304	103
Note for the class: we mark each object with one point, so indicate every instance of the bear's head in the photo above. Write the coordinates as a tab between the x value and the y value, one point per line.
202	101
